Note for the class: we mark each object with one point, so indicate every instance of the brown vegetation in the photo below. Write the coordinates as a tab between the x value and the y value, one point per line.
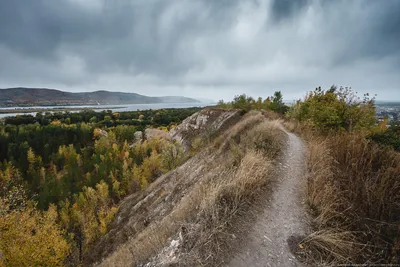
354	193
353	183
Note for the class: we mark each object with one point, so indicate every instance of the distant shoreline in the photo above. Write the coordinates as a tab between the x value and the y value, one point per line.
50	109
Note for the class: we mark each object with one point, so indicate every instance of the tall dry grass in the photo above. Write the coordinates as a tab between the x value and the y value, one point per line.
251	145
223	202
354	193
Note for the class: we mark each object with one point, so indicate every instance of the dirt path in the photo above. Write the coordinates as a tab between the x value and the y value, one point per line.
283	217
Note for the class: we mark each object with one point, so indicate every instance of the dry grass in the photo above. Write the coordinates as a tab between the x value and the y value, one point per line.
203	199
333	245
150	240
306	130
223	201
266	137
354	193
165	213
253	132
249	120
153	238
228	197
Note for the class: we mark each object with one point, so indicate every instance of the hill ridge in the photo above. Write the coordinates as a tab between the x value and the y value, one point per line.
24	96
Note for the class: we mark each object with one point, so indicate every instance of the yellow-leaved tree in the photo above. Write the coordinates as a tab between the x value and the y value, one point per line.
89	215
29	237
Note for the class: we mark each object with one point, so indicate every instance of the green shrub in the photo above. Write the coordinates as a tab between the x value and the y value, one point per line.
335	109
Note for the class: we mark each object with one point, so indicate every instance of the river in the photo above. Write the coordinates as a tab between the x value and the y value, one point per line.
119	108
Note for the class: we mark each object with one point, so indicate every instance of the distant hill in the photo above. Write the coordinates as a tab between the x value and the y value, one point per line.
206	100
25	97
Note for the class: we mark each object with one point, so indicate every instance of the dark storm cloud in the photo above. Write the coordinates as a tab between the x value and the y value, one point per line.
283	9
36	28
384	37
180	47
120	34
371	30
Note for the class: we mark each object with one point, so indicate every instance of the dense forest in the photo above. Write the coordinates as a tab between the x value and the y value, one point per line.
63	174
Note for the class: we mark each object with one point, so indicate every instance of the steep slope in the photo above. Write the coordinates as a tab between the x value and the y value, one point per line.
191	215
42	96
157	202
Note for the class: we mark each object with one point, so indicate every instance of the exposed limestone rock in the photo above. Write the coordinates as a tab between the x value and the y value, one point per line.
205	122
138	136
155	133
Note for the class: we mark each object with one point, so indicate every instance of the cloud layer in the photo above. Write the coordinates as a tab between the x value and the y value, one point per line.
203	48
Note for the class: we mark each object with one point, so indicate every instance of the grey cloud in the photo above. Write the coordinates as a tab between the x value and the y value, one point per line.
36	28
122	34
185	46
283	9
371	29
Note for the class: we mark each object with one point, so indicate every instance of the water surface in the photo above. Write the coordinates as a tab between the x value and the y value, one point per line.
119	108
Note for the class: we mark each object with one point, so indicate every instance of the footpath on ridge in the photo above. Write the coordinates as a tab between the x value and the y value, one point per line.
284	218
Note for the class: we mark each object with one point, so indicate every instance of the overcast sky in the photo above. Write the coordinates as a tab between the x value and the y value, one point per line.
201	48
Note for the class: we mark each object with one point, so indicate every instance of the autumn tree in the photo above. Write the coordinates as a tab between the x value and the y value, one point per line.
89	215
28	237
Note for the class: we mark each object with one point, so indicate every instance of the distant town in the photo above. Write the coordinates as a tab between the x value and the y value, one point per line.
389	111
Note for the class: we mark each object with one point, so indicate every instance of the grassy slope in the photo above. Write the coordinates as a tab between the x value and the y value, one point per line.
199	204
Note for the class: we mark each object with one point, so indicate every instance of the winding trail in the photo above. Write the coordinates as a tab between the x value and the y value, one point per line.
284	217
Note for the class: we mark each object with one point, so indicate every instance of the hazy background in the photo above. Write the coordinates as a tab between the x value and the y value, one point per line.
207	48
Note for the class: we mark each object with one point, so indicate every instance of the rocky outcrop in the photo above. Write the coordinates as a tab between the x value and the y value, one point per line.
204	124
156	133
138	136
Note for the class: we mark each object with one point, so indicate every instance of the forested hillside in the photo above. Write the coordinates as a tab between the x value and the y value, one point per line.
63	174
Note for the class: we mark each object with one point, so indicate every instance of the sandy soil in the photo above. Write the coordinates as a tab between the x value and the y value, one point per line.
279	228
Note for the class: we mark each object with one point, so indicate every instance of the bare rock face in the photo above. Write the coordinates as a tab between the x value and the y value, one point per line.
203	124
138	136
167	257
155	133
